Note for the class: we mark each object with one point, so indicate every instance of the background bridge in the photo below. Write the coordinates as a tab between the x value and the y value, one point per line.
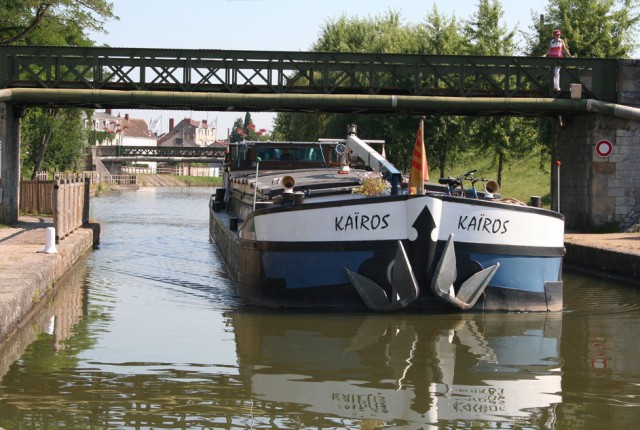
291	81
161	153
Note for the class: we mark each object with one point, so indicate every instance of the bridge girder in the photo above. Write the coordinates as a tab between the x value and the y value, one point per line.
126	77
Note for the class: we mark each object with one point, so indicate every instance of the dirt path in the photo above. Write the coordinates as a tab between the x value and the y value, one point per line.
622	242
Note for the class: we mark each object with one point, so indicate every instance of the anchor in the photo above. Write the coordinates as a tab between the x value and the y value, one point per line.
404	288
446	273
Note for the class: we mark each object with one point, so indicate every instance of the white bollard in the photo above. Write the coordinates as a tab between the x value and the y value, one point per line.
50	247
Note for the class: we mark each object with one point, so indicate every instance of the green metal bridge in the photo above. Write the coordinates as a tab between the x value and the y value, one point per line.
161	153
297	81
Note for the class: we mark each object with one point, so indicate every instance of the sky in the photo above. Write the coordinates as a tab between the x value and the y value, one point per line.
262	25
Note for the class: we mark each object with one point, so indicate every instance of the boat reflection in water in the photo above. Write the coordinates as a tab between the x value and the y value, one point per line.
403	370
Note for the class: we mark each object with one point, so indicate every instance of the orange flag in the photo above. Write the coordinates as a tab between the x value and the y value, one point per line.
419	168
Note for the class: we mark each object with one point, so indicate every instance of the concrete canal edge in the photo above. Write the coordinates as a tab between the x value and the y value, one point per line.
29	276
618	264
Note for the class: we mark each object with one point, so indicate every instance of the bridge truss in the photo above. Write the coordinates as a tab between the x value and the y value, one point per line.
177	78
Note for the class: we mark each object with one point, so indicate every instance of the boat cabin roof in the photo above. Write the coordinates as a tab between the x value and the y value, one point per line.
284	155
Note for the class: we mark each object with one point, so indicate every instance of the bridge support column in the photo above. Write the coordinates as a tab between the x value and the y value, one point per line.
9	162
597	192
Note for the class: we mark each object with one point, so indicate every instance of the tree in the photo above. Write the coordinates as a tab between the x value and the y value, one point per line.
300	126
52	22
591	28
249	128
381	34
237	132
500	137
444	140
60	23
484	33
55	140
439	35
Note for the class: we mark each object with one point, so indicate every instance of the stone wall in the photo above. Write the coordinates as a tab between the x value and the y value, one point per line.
629	82
598	192
9	164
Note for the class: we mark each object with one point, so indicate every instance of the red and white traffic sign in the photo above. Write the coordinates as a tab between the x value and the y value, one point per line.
604	148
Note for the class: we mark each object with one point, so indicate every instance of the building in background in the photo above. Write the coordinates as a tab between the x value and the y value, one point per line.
136	132
188	133
104	128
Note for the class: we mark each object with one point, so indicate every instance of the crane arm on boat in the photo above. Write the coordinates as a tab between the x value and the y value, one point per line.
376	161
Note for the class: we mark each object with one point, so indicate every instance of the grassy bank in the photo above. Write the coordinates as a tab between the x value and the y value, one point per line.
201	181
521	179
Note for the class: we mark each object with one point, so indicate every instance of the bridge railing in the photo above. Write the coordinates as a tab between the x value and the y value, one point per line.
180	170
108	178
164	151
151	153
270	72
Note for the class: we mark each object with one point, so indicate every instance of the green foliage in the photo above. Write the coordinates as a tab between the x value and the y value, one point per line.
301	126
247	130
237	133
52	22
484	35
590	28
503	140
522	177
380	34
201	181
439	35
100	136
53	140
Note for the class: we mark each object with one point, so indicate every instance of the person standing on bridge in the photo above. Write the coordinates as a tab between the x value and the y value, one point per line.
557	49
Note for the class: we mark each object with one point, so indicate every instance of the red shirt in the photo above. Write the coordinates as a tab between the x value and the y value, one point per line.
556	48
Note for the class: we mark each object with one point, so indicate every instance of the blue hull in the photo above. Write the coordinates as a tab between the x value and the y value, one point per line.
317	269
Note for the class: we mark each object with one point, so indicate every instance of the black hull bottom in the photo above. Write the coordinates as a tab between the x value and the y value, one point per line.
346	298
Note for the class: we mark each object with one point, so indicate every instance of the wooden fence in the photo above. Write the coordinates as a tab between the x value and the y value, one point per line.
36	197
70	204
66	199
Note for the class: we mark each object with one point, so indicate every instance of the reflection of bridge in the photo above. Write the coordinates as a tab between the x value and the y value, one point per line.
160	153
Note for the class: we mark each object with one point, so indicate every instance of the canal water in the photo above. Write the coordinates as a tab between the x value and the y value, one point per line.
148	333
